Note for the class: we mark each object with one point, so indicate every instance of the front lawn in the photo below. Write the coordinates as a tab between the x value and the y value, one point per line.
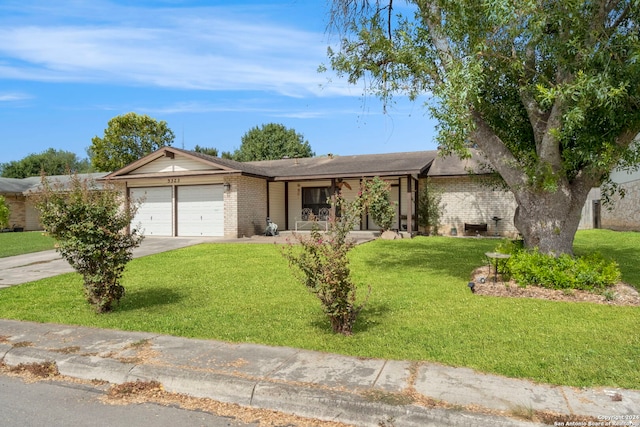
23	243
420	309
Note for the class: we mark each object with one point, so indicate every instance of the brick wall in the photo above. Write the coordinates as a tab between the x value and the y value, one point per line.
250	205
17	210
624	214
465	200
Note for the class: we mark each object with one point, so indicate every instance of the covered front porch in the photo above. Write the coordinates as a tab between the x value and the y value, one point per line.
290	202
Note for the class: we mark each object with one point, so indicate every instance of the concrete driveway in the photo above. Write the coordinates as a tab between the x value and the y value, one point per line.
39	265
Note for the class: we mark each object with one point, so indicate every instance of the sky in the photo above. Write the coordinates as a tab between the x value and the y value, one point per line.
211	69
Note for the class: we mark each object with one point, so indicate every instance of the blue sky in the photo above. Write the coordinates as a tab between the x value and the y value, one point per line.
211	69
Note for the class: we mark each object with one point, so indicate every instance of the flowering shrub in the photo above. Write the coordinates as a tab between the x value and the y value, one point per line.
322	265
89	225
374	198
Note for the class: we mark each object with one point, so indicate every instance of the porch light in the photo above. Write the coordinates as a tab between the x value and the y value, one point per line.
227	187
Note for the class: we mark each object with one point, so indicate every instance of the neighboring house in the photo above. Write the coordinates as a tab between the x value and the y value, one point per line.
624	212
23	215
184	193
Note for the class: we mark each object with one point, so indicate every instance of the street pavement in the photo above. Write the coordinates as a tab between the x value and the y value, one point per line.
358	391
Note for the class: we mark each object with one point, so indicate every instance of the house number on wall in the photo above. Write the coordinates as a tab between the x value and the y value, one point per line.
173	180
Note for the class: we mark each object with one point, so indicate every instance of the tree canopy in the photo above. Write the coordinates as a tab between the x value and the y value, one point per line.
126	139
271	142
49	162
211	151
547	90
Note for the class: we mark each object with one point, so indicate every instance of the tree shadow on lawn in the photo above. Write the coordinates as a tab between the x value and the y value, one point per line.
371	317
448	256
149	297
625	256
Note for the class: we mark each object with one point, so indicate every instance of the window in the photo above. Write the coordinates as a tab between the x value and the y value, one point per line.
316	198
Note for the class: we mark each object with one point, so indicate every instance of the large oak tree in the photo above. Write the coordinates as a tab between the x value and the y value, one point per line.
548	90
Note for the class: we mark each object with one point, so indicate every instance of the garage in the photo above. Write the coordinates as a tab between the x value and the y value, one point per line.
155	214
200	210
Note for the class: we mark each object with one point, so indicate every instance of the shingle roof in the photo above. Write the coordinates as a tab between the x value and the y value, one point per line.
246	167
347	166
25	185
454	166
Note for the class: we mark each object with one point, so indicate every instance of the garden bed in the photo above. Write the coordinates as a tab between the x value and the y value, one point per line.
621	294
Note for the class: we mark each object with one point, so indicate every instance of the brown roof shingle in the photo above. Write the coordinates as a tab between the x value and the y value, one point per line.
347	166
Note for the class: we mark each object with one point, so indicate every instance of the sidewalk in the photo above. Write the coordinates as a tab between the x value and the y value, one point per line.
363	392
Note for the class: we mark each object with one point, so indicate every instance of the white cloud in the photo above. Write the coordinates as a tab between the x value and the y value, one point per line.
215	49
13	96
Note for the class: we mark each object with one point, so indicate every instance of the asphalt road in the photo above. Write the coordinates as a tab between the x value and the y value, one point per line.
63	404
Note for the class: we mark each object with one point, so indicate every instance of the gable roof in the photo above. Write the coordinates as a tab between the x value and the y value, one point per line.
353	166
288	169
211	165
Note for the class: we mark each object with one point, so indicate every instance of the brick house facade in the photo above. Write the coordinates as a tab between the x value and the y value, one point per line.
184	193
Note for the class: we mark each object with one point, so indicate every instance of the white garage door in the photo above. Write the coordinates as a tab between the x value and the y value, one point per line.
155	212
200	210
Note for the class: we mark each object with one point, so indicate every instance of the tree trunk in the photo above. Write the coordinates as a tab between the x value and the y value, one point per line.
549	220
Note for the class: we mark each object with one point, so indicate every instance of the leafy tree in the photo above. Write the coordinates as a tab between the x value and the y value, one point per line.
49	162
321	263
4	213
547	90
205	150
126	139
88	224
271	142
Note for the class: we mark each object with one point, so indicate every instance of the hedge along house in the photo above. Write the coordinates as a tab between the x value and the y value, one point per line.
186	193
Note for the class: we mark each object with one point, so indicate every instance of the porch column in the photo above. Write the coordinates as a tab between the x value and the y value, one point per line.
333	198
409	205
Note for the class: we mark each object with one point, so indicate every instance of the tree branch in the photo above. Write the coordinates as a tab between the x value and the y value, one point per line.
497	152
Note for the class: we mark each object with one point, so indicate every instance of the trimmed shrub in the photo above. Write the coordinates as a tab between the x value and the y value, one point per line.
89	225
592	272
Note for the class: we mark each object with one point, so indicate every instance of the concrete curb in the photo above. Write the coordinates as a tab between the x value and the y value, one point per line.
360	391
312	402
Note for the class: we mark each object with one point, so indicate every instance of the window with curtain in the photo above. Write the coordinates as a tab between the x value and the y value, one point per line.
316	198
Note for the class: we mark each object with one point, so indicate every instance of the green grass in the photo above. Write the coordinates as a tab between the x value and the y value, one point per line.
622	247
23	243
420	309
